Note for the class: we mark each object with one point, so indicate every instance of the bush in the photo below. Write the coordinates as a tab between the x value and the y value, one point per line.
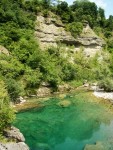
14	89
106	84
75	28
6	112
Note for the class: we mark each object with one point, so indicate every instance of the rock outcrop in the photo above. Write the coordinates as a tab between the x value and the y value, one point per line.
97	146
89	41
50	31
13	146
15	135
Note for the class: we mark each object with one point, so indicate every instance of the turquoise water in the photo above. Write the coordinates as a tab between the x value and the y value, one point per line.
52	127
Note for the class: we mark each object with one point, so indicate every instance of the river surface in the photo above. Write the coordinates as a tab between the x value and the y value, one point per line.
53	127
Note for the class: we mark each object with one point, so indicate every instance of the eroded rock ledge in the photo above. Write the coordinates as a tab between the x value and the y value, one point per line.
50	31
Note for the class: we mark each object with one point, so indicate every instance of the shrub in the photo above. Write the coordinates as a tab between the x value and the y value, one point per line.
106	84
6	112
14	89
75	28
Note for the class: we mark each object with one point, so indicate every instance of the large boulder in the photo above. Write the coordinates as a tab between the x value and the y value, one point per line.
15	138
44	91
14	134
64	103
13	146
97	146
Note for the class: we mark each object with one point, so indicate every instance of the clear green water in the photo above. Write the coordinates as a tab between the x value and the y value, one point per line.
55	128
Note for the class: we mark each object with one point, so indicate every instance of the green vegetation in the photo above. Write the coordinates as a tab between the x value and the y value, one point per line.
27	66
6	112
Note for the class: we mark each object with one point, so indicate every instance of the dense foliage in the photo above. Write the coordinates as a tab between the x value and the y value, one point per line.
27	66
6	112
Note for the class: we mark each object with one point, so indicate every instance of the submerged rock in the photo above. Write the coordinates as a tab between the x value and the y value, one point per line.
42	146
97	146
64	103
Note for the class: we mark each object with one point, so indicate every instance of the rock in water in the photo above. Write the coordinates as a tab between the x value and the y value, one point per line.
97	146
64	103
43	146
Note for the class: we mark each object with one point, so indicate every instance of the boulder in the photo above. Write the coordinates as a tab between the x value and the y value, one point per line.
97	146
14	134
42	146
44	91
64	103
13	146
64	88
21	100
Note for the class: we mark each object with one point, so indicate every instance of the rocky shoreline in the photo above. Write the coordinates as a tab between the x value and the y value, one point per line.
15	138
104	95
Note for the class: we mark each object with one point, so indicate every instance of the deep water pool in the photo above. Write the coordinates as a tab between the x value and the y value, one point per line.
53	127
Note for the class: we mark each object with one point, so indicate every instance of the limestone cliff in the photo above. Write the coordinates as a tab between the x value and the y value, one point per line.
89	41
50	31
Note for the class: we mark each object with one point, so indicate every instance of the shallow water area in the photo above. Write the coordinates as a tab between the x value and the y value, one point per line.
55	127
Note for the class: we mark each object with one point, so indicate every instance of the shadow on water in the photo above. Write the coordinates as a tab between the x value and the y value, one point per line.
55	128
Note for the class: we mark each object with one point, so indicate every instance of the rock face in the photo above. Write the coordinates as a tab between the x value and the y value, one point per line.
15	135
50	31
89	41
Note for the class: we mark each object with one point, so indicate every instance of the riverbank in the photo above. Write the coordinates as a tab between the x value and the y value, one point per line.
104	95
95	96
